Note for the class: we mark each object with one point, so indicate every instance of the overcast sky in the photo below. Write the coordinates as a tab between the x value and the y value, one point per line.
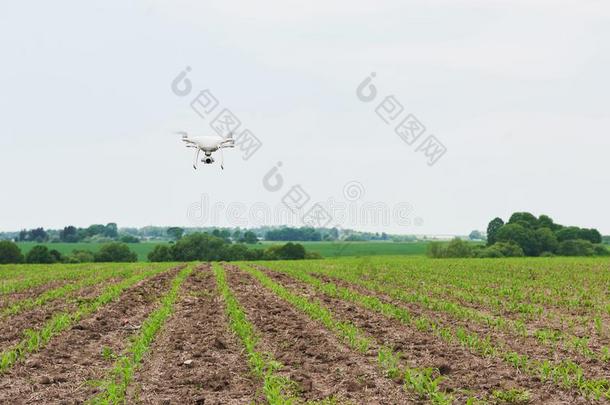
516	91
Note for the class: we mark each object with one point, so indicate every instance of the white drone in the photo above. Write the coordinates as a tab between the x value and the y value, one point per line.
208	144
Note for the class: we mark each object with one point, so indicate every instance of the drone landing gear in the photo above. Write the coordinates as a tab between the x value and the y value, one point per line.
196	159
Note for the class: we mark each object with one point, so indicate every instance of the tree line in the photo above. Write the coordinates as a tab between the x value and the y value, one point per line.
527	235
110	252
193	247
206	247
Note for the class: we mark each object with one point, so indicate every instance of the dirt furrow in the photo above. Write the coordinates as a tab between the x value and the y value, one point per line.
464	372
196	359
13	327
529	346
62	372
33	292
312	356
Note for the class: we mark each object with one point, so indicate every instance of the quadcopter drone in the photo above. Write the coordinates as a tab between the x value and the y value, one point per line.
208	144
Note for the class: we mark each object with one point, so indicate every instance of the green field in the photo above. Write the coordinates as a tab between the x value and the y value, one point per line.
141	249
326	249
430	331
338	249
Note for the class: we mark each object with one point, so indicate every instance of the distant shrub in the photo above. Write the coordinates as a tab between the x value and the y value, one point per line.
161	253
601	250
313	256
10	252
40	254
292	251
80	256
205	247
576	247
129	239
56	255
115	252
455	248
508	249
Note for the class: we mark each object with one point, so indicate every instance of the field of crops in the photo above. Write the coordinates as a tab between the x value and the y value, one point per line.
388	330
326	249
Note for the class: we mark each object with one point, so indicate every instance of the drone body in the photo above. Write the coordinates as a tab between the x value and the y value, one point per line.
208	144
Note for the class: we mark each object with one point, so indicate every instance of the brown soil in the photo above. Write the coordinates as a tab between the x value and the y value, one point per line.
466	373
529	346
216	369
12	327
312	356
11	298
60	373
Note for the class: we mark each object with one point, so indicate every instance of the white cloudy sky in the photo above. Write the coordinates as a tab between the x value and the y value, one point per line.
517	91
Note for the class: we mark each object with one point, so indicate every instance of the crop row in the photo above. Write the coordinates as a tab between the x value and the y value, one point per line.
277	389
64	290
393	284
53	273
121	375
34	340
424	382
565	373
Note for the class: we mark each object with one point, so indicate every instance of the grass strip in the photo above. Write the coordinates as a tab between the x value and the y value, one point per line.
423	381
122	373
277	389
34	340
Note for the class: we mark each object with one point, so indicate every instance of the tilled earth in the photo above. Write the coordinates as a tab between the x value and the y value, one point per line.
197	359
61	372
311	355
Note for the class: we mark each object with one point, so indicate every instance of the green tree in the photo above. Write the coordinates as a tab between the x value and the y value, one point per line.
115	252
96	229
69	234
175	232
111	230
524	219
502	249
576	247
40	254
522	236
546	240
10	252
129	239
82	256
458	248
492	230
249	238
292	251
568	233
57	256
592	235
160	253
198	246
476	235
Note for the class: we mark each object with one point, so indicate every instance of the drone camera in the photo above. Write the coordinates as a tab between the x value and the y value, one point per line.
208	160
